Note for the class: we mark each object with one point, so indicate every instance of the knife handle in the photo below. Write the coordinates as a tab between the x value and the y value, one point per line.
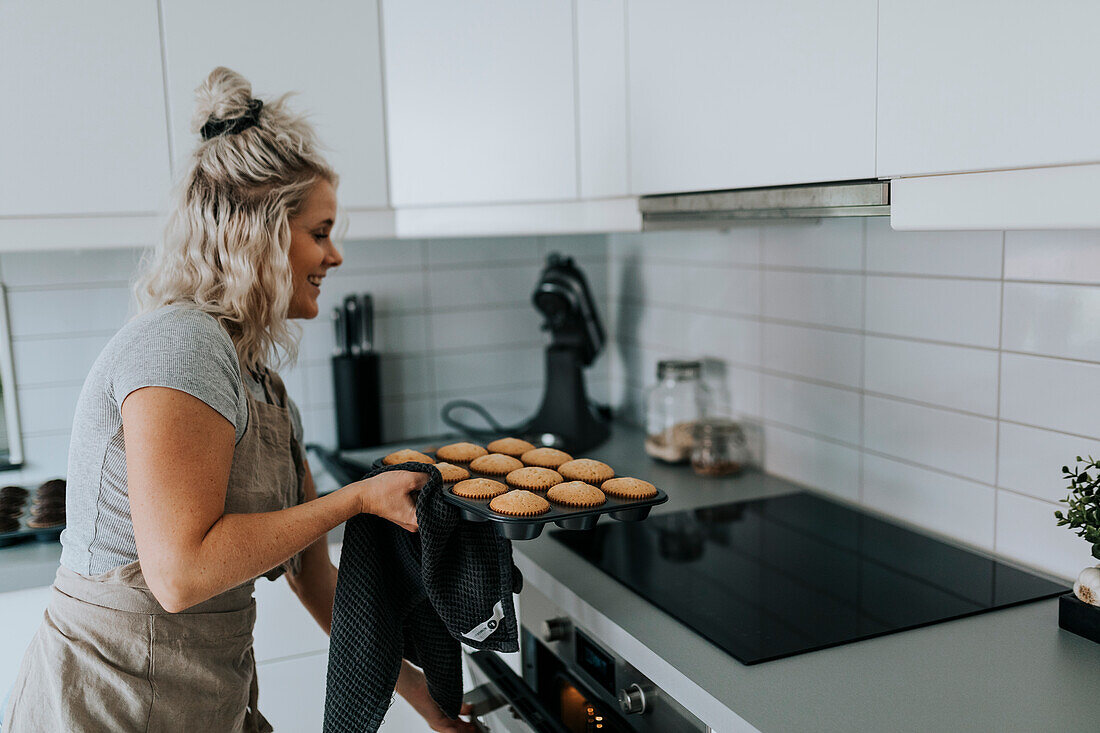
351	313
366	318
341	331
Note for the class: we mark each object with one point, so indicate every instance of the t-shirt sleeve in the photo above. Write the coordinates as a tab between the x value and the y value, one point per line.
184	349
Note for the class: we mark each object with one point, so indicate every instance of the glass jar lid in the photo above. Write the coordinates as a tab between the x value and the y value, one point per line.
679	369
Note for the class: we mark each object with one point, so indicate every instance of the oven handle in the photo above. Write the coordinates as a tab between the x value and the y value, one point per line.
504	687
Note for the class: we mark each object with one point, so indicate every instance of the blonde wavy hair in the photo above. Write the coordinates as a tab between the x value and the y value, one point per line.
225	245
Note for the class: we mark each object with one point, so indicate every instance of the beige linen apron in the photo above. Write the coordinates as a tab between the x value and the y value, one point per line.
107	657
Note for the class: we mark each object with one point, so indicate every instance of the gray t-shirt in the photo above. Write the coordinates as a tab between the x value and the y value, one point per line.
175	346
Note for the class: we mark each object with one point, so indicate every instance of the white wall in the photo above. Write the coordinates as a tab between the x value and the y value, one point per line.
454	320
940	377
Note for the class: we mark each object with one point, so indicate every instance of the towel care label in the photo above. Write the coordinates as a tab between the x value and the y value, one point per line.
485	629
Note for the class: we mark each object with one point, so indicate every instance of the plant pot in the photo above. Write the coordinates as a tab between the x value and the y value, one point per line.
1079	617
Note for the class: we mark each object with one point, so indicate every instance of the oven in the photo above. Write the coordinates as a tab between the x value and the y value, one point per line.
569	682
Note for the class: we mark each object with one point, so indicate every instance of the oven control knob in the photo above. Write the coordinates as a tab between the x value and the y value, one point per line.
632	700
556	629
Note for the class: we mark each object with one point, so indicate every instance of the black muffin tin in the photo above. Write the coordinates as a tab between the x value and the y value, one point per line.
25	533
528	528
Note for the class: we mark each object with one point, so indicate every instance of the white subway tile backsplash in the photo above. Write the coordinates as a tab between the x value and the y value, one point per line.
744	388
932	304
825	411
812	462
482	370
584	248
392	292
957	311
1054	320
46	455
507	326
727	289
76	312
319	424
821	244
505	285
444	252
739	245
958	254
407	376
51	360
45	409
950	506
79	267
950	441
830	356
1031	460
382	254
823	299
403	419
950	376
1051	393
734	340
1028	532
316	381
1054	256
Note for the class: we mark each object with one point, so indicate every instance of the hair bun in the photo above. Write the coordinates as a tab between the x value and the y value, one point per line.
223	95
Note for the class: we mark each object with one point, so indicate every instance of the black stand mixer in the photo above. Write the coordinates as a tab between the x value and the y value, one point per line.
566	418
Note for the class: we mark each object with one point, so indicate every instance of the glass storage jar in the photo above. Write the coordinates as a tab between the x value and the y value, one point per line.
673	406
719	447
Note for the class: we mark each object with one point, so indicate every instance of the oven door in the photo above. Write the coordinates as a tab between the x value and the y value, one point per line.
503	702
551	696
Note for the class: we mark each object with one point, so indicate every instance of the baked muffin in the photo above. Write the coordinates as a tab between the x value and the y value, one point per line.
533	478
406	455
577	494
629	488
510	447
545	457
451	473
587	470
460	453
520	503
9	492
495	464
478	488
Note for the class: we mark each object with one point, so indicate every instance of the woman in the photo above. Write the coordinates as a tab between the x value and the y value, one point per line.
187	477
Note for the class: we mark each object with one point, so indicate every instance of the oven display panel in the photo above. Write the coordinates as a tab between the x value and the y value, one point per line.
596	662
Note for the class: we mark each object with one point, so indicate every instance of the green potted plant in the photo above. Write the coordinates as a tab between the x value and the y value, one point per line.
1079	612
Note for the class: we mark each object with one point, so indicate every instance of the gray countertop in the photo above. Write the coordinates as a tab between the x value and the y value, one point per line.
1007	670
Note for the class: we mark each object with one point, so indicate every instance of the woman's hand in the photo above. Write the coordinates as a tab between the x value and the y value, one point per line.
412	686
388	495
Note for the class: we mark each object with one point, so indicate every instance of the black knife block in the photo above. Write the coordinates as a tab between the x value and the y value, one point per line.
356	384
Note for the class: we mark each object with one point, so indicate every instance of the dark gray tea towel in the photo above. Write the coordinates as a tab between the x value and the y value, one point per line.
415	596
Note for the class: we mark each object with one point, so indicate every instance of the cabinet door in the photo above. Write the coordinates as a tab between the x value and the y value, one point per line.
292	693
480	101
20	615
83	128
326	52
746	93
986	85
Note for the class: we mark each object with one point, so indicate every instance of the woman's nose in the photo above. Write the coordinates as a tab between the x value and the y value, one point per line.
333	258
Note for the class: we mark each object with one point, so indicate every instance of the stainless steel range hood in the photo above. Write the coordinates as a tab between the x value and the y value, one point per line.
715	209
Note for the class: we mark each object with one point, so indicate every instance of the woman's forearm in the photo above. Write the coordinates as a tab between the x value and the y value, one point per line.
315	583
239	547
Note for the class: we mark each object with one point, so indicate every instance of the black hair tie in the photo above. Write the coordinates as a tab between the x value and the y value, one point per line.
215	127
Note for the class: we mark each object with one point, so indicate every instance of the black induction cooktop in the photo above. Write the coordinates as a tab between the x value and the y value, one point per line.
774	577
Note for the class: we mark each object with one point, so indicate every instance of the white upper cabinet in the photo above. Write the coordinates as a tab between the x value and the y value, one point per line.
326	52
988	84
601	98
480	101
747	93
83	128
